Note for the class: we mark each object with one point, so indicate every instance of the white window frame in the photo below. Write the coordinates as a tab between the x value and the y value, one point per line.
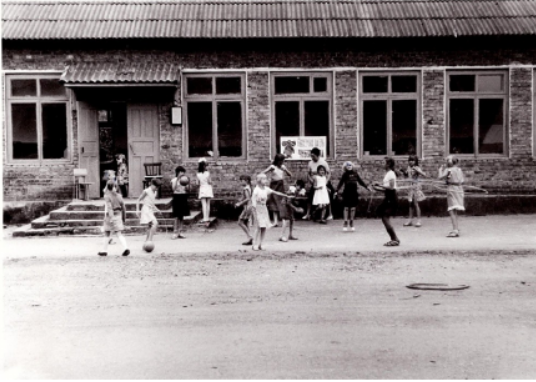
476	96
36	100
214	99
301	98
390	96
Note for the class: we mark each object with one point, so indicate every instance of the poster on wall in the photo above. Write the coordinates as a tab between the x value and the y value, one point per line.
299	148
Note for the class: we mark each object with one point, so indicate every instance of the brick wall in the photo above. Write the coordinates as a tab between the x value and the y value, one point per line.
516	174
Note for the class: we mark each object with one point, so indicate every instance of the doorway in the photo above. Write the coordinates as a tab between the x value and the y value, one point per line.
113	137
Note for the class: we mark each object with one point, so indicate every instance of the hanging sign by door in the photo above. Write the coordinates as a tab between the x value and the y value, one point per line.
299	148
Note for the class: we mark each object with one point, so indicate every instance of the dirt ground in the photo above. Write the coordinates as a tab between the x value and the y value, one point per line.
252	315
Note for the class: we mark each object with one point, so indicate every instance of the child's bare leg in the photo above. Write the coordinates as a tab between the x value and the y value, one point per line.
106	241
290	227
328	210
262	233
244	225
284	230
323	213
204	208
179	227
151	231
352	217
257	238
386	220
345	216
417	209
276	217
410	213
454	219
208	208
176	229
122	240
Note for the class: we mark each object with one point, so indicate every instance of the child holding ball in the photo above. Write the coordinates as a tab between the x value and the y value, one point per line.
180	207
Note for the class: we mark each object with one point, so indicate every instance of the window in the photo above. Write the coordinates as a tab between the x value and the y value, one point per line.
477	112
215	115
37	119
301	106
390	106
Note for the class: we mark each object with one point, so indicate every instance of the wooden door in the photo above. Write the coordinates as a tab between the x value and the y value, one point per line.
88	133
143	143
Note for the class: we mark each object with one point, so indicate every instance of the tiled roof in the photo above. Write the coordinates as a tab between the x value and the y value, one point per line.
95	73
269	18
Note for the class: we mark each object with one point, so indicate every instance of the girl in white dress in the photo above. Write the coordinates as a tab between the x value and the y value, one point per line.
453	176
205	189
321	196
260	212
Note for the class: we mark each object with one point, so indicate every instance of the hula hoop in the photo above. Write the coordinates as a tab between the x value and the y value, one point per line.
439	287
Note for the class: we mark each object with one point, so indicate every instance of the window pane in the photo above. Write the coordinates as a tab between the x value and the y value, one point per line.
316	120
199	85
199	128
228	85
24	130
52	88
404	127
21	88
404	84
375	127
230	129
287	121
320	85
490	126
375	84
462	83
54	131
490	83
461	126
291	85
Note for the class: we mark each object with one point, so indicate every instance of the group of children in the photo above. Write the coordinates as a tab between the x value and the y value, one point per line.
283	203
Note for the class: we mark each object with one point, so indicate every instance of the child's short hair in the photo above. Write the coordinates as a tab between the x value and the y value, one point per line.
179	169
261	176
347	163
300	183
279	158
315	151
156	182
390	162
320	168
454	159
414	158
202	165
247	178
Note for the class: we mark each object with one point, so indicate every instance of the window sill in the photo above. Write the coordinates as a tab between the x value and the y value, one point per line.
34	163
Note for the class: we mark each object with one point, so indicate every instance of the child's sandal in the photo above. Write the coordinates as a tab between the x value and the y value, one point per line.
392	243
453	234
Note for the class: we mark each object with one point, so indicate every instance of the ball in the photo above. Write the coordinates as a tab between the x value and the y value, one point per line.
184	180
148	246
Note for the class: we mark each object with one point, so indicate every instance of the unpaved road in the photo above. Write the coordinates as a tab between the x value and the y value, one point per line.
263	315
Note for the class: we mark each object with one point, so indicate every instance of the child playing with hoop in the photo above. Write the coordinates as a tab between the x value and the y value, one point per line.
277	183
350	197
260	212
415	194
388	207
245	216
179	202
453	177
148	199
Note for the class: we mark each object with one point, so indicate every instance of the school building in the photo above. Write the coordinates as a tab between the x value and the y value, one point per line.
171	81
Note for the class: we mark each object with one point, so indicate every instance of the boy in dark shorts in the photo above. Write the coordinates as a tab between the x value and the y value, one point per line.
179	202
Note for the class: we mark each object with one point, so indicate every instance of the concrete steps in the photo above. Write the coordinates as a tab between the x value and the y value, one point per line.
85	218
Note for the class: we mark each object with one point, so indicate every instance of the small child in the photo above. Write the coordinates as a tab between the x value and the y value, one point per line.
148	198
390	201
179	202
287	214
277	183
245	216
205	189
415	194
350	197
114	217
122	174
321	196
453	176
260	212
